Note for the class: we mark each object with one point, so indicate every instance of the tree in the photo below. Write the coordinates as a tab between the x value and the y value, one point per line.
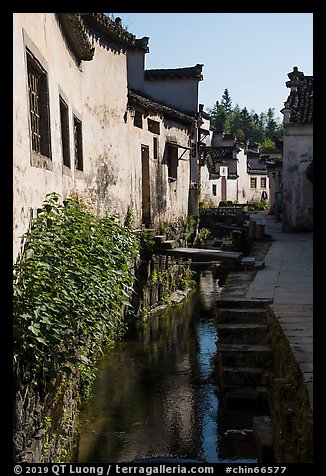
264	128
247	123
219	117
227	101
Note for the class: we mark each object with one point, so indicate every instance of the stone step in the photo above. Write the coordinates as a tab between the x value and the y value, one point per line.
228	315
159	239
245	376
248	261
242	355
242	303
201	254
169	244
247	397
248	333
263	435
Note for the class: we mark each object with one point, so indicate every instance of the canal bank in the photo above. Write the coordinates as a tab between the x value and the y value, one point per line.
285	285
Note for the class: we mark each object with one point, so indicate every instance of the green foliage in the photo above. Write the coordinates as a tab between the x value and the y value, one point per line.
191	229
257	205
204	235
268	146
245	125
146	243
71	284
130	218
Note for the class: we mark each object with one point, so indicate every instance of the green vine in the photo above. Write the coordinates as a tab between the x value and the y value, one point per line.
71	284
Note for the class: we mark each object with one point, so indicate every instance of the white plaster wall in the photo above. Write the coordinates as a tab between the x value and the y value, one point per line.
181	94
108	169
297	189
136	67
206	191
98	96
232	189
31	184
242	193
256	193
169	200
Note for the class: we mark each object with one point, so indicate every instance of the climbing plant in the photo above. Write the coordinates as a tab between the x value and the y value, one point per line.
71	284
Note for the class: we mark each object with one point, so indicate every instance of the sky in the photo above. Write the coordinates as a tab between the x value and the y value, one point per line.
250	54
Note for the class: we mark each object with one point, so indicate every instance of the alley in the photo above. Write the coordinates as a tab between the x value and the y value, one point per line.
287	280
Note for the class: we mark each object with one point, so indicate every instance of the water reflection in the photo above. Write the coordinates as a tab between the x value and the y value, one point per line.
153	395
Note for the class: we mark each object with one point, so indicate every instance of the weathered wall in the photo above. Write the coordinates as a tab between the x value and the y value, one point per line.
96	92
181	94
40	32
291	412
206	192
108	168
44	425
168	200
256	193
297	189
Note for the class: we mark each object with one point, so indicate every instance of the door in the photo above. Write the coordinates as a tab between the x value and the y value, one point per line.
223	187
146	204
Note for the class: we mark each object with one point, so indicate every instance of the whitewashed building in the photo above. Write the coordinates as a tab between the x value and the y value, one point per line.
90	120
240	173
297	207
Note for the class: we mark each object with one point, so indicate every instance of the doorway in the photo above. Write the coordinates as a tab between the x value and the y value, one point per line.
146	205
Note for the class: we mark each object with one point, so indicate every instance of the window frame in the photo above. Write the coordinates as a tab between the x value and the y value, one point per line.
172	162
78	143
38	109
255	182
65	132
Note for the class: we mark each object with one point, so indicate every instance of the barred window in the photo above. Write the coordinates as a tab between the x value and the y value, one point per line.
138	120
153	126
172	161
64	116
262	182
155	148
38	106
78	144
253	182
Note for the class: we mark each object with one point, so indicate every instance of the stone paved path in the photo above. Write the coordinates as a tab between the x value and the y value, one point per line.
287	280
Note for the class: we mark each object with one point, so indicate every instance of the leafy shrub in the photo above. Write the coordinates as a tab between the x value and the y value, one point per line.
71	284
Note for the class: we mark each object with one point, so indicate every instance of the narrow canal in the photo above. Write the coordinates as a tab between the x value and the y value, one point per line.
154	396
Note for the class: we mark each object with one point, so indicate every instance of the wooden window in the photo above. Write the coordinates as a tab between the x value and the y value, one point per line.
138	120
262	182
155	148
153	126
214	189
78	144
253	182
38	106
64	117
172	161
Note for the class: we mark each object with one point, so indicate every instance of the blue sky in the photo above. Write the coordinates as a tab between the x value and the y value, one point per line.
250	54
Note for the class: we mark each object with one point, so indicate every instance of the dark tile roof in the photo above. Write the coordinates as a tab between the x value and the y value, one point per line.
300	99
74	32
137	99
110	31
141	44
220	154
255	165
194	72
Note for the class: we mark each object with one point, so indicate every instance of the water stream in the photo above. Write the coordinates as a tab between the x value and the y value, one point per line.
154	396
